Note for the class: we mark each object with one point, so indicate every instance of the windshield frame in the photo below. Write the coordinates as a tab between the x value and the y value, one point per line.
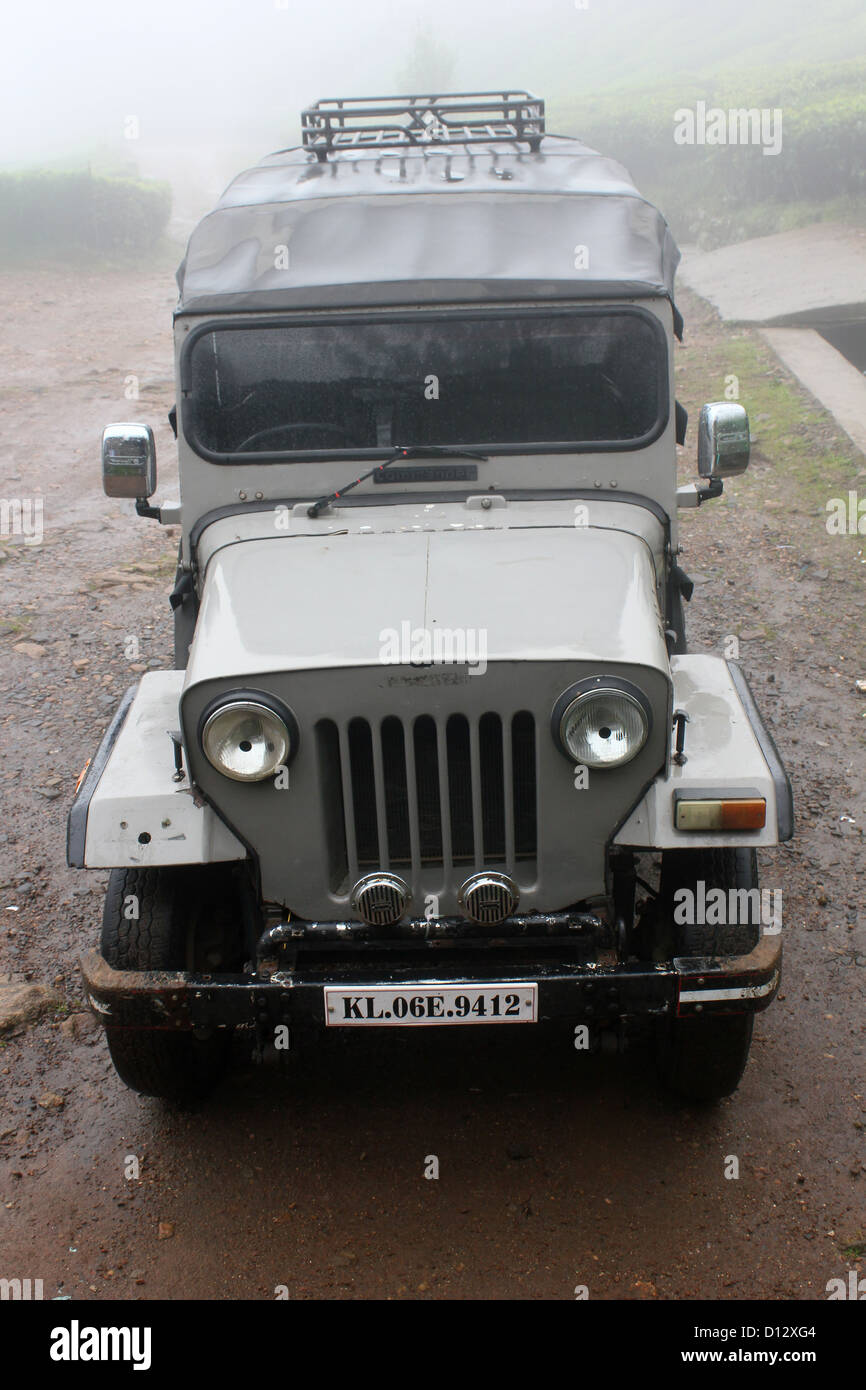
461	312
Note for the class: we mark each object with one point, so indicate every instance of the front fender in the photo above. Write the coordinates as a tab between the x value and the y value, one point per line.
727	751
129	811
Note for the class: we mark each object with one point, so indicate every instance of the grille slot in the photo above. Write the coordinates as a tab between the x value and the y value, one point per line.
523	800
363	783
412	794
492	765
427	790
396	791
460	799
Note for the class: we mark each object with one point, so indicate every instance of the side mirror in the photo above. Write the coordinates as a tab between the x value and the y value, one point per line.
723	440
128	461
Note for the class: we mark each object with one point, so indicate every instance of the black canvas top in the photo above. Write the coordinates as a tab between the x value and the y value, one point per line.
454	223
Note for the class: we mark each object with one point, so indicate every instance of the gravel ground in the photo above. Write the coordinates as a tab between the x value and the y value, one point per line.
555	1170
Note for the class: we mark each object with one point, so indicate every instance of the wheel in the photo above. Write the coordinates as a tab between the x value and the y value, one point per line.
170	919
703	1059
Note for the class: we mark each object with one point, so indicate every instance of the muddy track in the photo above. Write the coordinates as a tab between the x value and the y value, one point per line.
554	1170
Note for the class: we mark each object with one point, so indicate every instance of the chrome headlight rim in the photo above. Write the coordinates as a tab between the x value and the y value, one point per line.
253	701
600	685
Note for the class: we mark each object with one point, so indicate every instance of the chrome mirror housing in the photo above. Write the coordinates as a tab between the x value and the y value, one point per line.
128	461
723	440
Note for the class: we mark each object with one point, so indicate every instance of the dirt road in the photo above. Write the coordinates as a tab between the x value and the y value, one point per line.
555	1170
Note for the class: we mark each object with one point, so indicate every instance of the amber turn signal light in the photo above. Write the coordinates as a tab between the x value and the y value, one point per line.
734	813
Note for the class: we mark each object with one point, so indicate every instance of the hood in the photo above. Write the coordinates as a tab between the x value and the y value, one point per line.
306	602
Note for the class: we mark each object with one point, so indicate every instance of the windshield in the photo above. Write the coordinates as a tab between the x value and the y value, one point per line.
500	382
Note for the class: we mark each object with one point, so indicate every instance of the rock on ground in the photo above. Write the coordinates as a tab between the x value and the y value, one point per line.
24	1003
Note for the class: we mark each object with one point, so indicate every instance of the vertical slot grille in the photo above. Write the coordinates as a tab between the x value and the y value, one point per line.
418	793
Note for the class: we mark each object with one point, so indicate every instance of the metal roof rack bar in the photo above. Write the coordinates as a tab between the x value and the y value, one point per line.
465	118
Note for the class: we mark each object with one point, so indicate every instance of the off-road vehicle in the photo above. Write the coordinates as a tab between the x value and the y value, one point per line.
434	752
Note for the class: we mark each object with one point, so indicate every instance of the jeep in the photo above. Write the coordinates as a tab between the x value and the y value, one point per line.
434	752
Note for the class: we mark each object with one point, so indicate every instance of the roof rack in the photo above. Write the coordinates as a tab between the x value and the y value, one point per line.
466	118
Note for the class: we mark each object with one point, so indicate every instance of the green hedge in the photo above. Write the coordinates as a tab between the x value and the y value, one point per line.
56	215
701	187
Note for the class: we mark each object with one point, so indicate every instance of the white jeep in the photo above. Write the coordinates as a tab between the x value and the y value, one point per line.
434	752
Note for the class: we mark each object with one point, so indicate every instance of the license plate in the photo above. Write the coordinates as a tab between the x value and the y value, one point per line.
426	1005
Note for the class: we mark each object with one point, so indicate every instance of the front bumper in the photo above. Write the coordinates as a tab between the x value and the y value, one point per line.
603	992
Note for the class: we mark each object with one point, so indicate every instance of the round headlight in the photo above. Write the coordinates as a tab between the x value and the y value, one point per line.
246	741
603	727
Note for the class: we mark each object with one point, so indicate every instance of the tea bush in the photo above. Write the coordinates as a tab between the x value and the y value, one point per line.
57	215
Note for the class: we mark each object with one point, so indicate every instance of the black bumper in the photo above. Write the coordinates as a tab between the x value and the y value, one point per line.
600	992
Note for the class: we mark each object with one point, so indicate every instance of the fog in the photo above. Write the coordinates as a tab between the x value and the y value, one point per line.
221	79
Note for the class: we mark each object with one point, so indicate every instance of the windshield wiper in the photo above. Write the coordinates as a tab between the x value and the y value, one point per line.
412	451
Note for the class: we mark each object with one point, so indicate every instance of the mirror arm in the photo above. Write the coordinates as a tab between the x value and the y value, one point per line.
713	488
143	509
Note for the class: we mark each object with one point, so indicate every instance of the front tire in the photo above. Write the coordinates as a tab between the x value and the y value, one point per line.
702	1059
170	919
